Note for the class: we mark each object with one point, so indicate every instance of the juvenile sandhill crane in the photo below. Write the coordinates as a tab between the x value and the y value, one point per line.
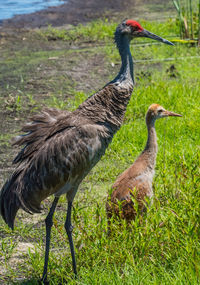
60	147
136	181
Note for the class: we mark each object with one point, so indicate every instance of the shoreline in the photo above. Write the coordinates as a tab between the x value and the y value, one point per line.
11	9
75	12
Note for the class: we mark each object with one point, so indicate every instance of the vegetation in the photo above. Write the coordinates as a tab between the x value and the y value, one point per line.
188	18
162	247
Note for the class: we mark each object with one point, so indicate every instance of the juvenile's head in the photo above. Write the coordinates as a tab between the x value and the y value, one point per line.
133	29
156	111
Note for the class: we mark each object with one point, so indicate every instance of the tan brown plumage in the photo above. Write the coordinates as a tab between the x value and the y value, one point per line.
134	185
60	147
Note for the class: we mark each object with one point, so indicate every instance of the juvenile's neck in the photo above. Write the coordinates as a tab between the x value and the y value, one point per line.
151	147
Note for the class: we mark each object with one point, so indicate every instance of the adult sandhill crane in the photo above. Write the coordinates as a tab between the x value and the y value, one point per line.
60	147
136	181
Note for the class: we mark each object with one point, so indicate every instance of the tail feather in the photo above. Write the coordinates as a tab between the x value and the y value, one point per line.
12	198
16	192
37	131
9	201
9	204
30	207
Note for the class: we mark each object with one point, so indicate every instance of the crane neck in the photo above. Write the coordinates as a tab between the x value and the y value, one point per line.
151	147
126	70
107	107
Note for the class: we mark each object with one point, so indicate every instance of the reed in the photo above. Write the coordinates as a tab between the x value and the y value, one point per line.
188	19
199	26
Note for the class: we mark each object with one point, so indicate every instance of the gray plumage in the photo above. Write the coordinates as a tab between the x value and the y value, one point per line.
60	147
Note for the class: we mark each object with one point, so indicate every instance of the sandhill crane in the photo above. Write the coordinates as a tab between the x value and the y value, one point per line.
136	181
60	147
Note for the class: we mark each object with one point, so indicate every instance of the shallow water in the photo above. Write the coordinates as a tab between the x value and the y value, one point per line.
9	8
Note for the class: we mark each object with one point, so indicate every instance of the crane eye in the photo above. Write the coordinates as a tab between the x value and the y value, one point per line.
160	111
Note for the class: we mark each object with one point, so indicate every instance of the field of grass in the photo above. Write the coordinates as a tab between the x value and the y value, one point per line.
164	246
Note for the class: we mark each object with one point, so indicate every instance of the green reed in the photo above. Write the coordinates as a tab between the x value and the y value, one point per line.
188	20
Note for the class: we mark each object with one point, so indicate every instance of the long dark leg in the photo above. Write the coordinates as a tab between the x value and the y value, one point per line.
69	228
49	223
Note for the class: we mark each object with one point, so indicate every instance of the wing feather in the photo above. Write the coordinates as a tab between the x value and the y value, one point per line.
63	159
43	126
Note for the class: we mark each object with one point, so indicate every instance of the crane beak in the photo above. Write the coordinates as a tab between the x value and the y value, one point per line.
147	34
169	113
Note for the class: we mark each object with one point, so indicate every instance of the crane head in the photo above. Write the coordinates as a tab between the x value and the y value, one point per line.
134	29
156	111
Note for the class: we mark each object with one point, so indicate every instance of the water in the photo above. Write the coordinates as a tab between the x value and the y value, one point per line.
9	8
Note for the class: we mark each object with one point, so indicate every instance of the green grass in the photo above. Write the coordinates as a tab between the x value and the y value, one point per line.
102	30
163	247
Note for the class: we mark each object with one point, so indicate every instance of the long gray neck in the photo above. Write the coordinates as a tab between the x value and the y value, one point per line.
151	147
126	70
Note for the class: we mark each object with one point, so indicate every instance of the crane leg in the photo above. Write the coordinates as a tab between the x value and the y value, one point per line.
48	223
69	228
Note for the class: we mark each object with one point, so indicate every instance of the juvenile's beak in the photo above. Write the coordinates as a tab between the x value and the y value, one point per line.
169	113
147	34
